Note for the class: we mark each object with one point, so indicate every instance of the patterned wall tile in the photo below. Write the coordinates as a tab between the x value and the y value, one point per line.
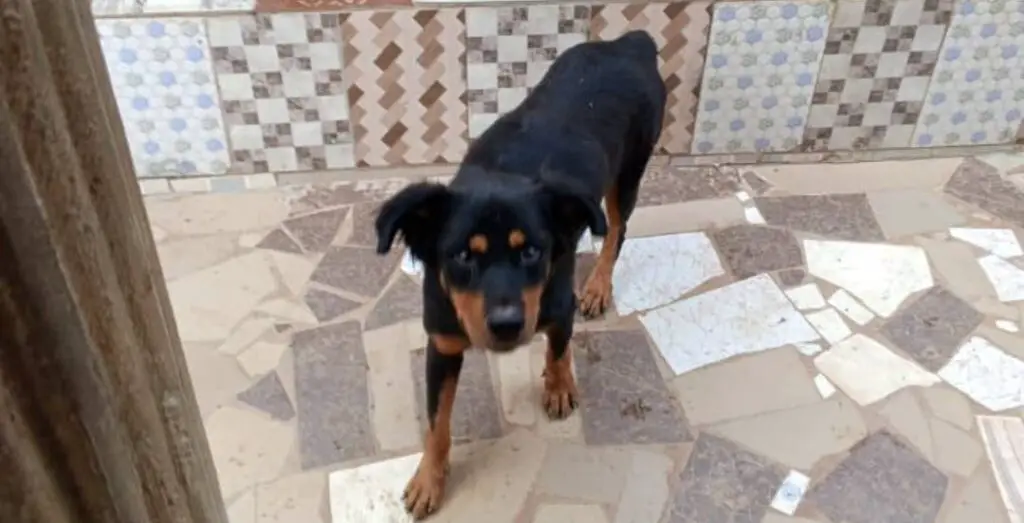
509	49
977	91
136	7
163	80
760	73
404	79
280	77
277	6
878	62
681	31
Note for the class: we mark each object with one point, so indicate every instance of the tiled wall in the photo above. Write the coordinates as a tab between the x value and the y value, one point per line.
237	88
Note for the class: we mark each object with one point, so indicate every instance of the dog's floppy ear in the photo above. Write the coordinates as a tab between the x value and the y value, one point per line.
418	212
570	209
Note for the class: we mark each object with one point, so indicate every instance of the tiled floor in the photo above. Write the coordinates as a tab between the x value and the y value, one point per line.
797	344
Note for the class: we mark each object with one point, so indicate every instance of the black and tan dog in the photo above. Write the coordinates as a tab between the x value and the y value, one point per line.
498	244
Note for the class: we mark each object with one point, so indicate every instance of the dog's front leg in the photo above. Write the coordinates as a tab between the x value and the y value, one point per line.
425	492
560	393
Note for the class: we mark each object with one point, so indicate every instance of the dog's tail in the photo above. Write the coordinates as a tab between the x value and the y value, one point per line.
640	44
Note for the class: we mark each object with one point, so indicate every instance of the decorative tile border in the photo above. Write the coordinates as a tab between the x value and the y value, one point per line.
878	62
278	6
161	75
284	100
205	184
509	49
976	94
681	31
760	73
112	8
404	79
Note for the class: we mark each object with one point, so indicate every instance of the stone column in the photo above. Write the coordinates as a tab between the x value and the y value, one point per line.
98	419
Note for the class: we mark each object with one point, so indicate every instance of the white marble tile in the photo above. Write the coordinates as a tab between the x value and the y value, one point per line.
372	492
806	297
830	324
843	302
741	318
867	371
1007	325
787	499
987	374
658	270
825	387
753	215
1006	278
1004	444
880	275
1001	242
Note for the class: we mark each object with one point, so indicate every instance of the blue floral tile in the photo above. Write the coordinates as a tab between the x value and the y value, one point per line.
976	95
163	80
759	76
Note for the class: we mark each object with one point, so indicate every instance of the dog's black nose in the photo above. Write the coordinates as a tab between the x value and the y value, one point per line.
505	322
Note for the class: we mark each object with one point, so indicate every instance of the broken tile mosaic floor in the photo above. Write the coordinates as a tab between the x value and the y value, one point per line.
864	336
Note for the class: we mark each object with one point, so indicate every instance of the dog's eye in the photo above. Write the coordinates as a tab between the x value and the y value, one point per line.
529	255
463	258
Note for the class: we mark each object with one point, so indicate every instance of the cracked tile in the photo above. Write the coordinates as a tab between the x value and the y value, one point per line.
932	327
986	374
979	184
880	275
881	480
912	211
332	397
402	301
315	231
671	184
722	482
268	395
625	400
867	371
768	381
356	270
717	325
653	271
1001	242
326	305
476	414
749	250
1005	277
839	216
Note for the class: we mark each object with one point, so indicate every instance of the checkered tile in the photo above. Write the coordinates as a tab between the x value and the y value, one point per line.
879	59
508	51
285	105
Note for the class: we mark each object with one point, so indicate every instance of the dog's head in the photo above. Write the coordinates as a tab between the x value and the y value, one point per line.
492	245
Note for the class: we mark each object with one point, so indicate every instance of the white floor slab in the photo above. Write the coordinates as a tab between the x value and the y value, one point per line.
655	271
880	275
867	371
987	374
1007	325
1006	278
787	499
830	324
806	297
848	305
741	318
1004	444
825	387
372	492
1001	242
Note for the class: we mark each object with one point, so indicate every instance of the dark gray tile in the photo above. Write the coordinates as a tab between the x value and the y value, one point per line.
268	395
326	305
331	395
477	414
756	184
836	216
623	397
979	183
278	240
931	328
791	277
315	232
402	301
669	184
722	483
881	480
356	269
749	250
363	217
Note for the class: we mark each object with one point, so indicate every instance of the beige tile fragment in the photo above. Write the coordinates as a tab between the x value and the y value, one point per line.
768	381
292	499
392	391
518	398
957	267
187	255
261	358
646	490
978	502
216	378
858	177
570	514
950	405
406	335
955	451
595	474
248	448
217	213
243	509
904	414
247	332
799	437
696	215
293	269
905	212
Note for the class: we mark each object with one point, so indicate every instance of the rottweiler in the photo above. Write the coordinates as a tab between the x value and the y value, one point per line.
498	243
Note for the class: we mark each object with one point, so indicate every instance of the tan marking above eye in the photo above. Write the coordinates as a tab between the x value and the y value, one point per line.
516	239
478	243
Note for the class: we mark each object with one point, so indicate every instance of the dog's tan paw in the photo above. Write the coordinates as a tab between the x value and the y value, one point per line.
425	492
560	394
596	296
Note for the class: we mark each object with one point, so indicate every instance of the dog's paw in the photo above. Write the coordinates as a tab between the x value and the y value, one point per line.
596	296
425	491
559	398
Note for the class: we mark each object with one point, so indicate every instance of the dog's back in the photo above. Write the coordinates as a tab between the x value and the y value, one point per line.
597	103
